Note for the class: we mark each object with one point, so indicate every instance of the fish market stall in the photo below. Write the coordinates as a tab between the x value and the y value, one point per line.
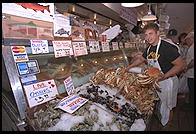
107	108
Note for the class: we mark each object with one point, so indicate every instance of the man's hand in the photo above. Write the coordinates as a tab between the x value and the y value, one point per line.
127	69
161	77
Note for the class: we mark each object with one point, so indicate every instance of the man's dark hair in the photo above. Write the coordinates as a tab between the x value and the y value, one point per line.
153	26
180	36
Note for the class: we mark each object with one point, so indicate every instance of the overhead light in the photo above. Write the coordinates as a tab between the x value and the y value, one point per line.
95	22
131	4
73	8
149	16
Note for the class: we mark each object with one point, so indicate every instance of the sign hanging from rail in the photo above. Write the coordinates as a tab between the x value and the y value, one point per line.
62	48
39	46
129	14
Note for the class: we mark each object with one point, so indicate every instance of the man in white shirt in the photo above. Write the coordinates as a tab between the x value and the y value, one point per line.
189	68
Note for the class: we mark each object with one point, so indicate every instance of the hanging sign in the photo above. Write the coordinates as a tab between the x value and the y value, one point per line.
115	45
39	11
94	46
39	46
79	48
28	67
19	53
62	48
40	92
71	103
69	86
62	26
121	45
129	14
28	79
105	46
127	45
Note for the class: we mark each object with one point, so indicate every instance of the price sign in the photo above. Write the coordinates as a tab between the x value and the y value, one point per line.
62	48
69	86
115	45
105	46
39	46
79	48
71	103
94	46
40	92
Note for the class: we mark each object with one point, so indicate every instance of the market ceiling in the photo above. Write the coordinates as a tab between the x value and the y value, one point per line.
181	15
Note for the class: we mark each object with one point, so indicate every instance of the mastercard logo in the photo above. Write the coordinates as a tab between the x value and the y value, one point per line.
18	49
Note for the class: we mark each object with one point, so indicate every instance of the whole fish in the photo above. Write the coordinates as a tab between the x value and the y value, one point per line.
34	6
62	31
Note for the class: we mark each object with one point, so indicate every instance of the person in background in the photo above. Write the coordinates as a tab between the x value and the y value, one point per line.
171	38
182	44
189	68
166	58
183	86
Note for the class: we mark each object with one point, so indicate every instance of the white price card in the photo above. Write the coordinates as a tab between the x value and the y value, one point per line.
79	48
94	46
105	46
127	45
39	46
115	45
19	53
62	48
40	92
69	86
71	103
121	45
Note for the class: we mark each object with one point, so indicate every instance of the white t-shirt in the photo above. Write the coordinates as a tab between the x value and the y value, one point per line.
189	57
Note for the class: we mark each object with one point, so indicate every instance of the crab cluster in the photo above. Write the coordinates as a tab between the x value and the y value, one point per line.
149	77
138	88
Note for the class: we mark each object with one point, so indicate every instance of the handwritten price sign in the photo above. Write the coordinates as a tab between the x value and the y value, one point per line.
39	46
71	103
69	86
40	92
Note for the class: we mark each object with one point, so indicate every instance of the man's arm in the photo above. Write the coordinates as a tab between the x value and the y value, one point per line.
190	65
137	62
178	66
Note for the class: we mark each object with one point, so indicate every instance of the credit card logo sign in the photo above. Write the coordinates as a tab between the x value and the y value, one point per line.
18	49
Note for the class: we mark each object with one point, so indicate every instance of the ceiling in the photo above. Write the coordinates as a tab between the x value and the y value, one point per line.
181	15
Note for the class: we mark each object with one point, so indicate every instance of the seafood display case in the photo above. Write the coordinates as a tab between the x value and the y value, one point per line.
81	69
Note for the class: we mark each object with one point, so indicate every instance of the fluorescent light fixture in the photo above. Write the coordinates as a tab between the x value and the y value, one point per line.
131	4
149	16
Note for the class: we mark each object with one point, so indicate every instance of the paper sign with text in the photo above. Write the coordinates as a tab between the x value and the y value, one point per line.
94	46
71	103
105	46
115	45
62	48
19	53
39	46
121	45
127	45
40	92
79	48
69	86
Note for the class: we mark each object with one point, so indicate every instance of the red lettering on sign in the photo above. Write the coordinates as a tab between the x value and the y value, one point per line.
75	102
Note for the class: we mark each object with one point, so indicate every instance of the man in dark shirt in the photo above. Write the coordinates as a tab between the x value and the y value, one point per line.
162	55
